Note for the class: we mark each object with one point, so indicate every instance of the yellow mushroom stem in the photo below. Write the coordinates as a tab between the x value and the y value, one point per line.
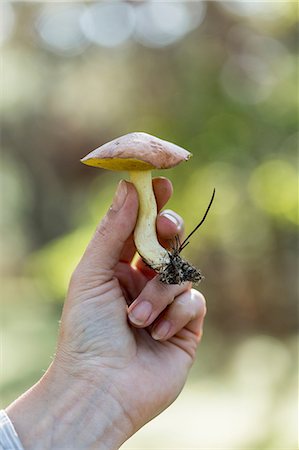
145	235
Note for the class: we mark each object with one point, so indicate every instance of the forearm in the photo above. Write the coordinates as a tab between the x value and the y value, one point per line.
61	412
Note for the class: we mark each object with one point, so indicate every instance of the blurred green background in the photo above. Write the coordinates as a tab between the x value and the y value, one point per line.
218	78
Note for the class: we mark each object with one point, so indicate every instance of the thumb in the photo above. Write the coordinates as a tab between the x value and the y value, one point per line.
104	250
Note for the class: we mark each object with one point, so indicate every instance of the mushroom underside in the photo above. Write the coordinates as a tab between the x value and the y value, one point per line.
118	164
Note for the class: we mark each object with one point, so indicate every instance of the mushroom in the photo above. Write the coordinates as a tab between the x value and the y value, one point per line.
140	153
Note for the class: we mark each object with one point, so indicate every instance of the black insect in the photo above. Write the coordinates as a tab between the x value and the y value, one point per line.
179	270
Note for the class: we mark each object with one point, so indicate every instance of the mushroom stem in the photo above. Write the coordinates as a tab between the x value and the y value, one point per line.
145	235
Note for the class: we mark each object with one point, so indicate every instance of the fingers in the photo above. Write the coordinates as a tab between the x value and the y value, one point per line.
169	225
169	310
153	299
187	310
163	190
104	250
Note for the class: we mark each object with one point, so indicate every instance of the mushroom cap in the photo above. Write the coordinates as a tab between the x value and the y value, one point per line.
137	151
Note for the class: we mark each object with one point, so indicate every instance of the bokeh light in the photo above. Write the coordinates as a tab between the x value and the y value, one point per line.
247	79
162	23
217	78
108	24
274	187
7	21
265	10
58	26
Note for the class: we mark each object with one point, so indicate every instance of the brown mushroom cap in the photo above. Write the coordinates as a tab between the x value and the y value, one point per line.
137	151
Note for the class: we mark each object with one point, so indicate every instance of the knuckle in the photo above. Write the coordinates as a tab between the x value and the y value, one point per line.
160	287
183	294
182	303
178	289
160	294
102	229
106	225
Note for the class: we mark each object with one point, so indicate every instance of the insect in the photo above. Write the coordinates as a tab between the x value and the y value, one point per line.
179	270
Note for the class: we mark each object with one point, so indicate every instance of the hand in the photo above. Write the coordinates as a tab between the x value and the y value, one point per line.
116	366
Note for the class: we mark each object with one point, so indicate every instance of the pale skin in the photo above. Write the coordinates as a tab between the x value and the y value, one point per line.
114	370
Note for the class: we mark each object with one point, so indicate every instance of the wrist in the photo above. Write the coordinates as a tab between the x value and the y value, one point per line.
62	411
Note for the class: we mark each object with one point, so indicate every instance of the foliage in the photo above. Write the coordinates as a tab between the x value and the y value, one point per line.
224	87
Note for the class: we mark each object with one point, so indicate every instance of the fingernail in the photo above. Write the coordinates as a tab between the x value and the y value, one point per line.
173	217
161	330
140	313
120	196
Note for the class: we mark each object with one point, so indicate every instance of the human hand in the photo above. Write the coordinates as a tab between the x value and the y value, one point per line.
115	369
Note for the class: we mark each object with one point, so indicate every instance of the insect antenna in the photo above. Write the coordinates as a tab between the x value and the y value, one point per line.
186	241
175	244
